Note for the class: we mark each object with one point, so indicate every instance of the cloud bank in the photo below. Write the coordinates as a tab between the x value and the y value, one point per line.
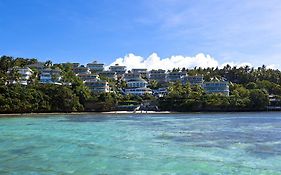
178	61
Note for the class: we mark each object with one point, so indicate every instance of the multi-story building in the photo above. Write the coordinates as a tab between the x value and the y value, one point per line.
81	70
131	75
95	67
216	86
108	74
98	86
50	76
39	66
142	72
193	80
175	76
120	70
136	83
73	65
88	77
24	73
158	75
160	92
45	78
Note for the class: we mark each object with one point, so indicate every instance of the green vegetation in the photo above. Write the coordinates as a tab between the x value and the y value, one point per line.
249	90
192	98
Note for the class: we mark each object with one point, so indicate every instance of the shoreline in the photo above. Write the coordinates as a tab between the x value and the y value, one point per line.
120	112
89	113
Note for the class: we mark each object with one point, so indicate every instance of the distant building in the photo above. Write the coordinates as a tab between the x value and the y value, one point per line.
81	70
95	67
50	76
142	72
25	74
120	70
138	91
98	86
131	75
160	92
193	80
175	76
73	65
45	78
158	75
136	83
39	66
109	74
216	86
88	77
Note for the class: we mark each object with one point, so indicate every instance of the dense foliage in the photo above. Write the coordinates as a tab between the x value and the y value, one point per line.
192	98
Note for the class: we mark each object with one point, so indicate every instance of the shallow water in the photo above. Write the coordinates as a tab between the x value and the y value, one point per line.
200	144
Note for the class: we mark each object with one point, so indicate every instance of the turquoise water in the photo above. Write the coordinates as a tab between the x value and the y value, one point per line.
200	144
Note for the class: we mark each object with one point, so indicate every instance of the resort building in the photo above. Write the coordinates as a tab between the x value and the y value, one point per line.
136	83
89	77
39	66
161	92
50	76
158	75
120	70
73	65
97	86
108	74
216	86
142	72
131	75
193	80
138	91
95	67
175	76
24	75
81	70
45	78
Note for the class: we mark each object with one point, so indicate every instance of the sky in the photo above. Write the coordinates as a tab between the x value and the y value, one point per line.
144	33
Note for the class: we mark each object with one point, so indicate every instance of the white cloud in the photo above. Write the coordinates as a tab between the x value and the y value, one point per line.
155	62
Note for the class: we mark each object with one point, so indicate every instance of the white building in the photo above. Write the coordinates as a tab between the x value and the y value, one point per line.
175	76
97	86
89	77
50	76
120	70
193	80
161	92
158	75
108	74
131	75
136	83
39	66
95	67
81	70
142	72
25	74
216	86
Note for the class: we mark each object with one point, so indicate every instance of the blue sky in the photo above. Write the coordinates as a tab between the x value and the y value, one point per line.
232	31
